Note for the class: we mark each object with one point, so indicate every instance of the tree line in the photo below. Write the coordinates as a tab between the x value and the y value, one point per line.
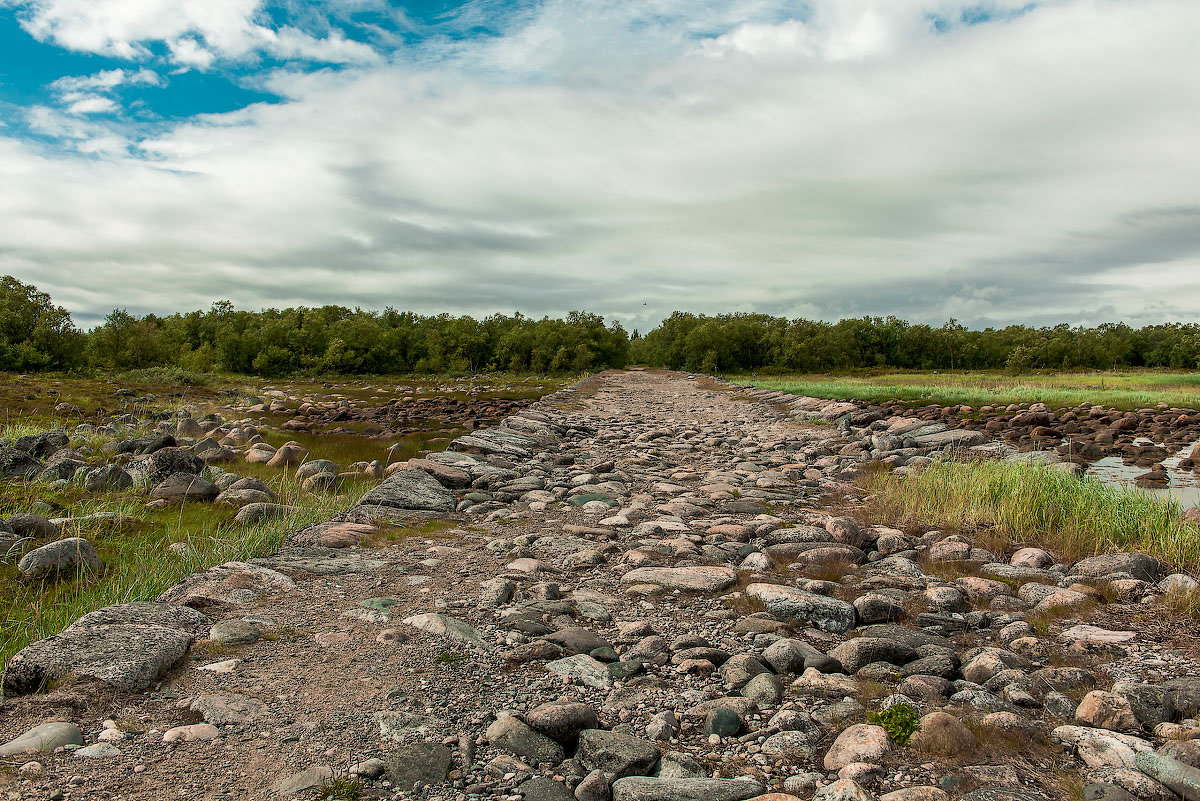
36	334
730	343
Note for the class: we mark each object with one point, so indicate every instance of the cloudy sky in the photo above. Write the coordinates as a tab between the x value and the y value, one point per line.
996	161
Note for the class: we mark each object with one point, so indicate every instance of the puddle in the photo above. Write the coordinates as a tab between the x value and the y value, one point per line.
1184	485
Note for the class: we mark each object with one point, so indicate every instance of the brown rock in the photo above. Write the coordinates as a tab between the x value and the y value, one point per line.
1104	710
861	742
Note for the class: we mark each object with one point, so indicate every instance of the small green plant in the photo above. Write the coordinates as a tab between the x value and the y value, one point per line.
900	721
341	788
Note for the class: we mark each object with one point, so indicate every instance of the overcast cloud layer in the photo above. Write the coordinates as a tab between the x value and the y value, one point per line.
996	162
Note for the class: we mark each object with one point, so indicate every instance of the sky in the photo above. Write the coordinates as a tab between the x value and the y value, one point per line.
996	161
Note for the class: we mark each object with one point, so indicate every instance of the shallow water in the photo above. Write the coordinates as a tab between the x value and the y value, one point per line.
1184	484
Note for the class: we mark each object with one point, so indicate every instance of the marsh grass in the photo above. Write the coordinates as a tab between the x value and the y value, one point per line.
139	563
1011	505
1126	389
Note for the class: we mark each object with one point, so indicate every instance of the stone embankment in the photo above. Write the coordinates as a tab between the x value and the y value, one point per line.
639	591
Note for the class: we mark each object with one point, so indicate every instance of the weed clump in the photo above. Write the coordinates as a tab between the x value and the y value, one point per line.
900	721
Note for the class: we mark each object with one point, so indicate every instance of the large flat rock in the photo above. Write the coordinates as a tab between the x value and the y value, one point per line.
827	614
693	579
128	657
411	489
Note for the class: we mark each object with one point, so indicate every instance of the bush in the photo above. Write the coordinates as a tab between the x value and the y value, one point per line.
900	721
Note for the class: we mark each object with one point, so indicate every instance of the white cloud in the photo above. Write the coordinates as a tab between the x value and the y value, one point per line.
196	33
703	156
106	79
90	104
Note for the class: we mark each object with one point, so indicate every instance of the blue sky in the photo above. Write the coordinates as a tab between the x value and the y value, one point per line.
994	161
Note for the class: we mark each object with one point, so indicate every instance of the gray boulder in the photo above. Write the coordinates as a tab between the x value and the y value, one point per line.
315	467
514	735
128	646
24	524
45	737
617	755
786	603
107	478
55	558
156	467
854	654
61	468
411	489
253	513
641	788
182	487
17	464
42	445
1140	565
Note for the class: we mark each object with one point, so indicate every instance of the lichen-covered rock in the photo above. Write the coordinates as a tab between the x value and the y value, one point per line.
227	585
57	558
17	464
827	614
128	646
156	467
411	489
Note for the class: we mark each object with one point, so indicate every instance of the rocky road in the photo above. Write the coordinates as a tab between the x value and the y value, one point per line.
649	587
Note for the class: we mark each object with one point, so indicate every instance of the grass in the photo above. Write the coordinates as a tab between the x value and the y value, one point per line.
139	563
341	788
1009	505
1124	389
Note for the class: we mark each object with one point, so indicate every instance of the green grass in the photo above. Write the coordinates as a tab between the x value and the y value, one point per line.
1128	389
1008	505
138	562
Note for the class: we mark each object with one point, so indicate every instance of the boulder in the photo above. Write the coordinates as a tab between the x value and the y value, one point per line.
827	614
156	467
514	735
44	737
1181	779
128	646
107	478
640	788
1140	565
17	464
942	733
708	579
224	586
411	489
562	720
257	512
618	755
861	742
58	558
181	487
42	445
315	467
24	524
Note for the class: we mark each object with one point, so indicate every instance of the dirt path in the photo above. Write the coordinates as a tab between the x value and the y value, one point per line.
393	661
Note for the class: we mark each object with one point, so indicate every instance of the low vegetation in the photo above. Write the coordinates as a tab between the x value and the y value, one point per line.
900	721
135	545
1005	504
1126	389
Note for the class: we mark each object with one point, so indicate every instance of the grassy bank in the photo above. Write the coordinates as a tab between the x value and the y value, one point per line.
1128	389
135	546
1005	505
